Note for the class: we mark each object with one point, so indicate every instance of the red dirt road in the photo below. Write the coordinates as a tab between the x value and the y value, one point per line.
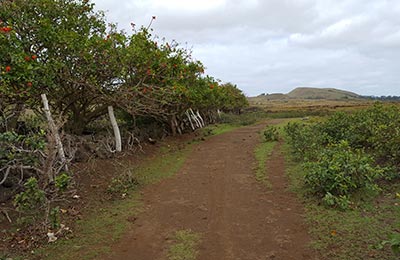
216	195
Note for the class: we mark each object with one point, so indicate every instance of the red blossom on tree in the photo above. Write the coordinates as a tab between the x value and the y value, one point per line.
5	29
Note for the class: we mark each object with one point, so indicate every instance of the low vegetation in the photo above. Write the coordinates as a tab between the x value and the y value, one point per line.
346	169
184	247
269	136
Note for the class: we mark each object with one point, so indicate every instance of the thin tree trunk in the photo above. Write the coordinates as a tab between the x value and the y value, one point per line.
117	134
195	118
201	119
172	125
178	127
54	132
190	120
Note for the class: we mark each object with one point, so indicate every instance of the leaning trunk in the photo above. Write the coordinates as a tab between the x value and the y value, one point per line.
55	134
117	134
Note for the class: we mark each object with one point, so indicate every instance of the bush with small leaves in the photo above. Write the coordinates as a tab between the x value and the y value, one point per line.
62	181
32	198
340	172
271	134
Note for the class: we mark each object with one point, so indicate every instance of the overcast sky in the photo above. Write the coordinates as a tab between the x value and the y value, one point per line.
277	45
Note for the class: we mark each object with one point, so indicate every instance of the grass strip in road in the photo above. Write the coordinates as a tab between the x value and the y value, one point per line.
101	228
184	246
262	152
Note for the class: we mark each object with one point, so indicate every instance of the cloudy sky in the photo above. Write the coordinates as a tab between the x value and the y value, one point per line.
268	46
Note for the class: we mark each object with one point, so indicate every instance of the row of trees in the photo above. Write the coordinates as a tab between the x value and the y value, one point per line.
66	50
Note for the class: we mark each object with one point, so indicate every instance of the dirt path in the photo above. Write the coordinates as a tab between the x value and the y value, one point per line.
216	195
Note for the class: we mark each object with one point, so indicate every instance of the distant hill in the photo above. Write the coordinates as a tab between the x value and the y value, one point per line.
321	93
310	93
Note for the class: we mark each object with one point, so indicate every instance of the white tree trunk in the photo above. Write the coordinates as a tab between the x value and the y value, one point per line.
117	134
190	120
201	119
177	125
54	132
219	113
196	120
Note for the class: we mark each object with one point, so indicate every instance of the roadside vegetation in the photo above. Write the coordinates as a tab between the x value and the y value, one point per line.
74	89
88	237
346	168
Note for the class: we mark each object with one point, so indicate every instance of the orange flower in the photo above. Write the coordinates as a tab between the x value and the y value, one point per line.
29	84
27	58
5	29
333	233
34	57
8	68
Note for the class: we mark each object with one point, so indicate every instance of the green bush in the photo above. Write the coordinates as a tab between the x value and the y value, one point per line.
21	149
54	217
306	140
62	181
340	172
31	198
375	130
271	134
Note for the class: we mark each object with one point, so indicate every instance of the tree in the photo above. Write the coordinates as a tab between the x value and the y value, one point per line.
62	49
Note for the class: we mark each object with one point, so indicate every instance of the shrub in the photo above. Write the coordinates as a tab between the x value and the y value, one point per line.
339	172
306	140
31	198
62	181
271	134
18	149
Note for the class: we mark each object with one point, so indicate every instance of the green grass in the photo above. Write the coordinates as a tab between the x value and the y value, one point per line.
98	230
262	153
184	246
353	234
218	129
